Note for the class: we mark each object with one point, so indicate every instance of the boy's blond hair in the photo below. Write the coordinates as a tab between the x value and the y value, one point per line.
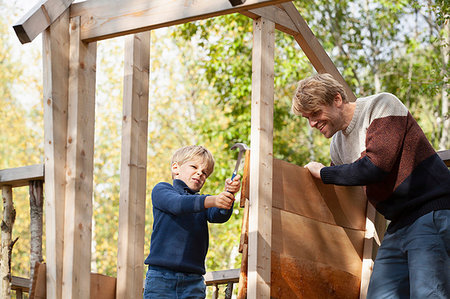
315	91
191	152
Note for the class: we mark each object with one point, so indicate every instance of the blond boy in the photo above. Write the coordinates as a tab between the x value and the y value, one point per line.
180	238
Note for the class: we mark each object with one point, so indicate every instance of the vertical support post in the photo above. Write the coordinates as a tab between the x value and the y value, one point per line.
36	214
130	267
375	226
8	219
79	170
261	160
55	54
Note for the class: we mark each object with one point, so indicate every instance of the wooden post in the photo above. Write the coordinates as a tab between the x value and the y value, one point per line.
261	160
36	213
9	216
55	55
130	266
79	172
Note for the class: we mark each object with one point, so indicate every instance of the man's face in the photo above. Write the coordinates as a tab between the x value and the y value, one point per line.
328	119
193	173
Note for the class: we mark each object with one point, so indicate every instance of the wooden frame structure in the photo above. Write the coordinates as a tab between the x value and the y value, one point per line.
70	31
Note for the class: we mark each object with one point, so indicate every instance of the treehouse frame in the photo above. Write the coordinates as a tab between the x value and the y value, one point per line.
70	32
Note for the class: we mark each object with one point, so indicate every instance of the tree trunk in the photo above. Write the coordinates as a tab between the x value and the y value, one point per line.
445	51
36	212
9	216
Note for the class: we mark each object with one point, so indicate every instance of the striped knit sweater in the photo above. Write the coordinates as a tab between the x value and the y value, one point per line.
384	149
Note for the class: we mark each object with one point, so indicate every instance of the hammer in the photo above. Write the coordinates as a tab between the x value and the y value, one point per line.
242	148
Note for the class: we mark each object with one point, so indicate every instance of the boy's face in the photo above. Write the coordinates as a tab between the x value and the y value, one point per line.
193	173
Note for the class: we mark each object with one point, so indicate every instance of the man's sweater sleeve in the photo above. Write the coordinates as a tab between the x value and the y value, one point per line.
167	199
359	173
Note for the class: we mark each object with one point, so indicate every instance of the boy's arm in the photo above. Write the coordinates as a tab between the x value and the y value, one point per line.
167	199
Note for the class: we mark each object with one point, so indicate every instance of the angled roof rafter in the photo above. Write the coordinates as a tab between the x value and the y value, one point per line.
42	15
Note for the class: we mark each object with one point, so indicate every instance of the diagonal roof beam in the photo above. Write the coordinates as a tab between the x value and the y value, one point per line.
42	15
287	19
103	19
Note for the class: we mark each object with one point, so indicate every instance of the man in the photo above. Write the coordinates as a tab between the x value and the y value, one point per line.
376	143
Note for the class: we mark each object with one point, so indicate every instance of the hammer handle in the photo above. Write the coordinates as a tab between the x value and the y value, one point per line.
224	211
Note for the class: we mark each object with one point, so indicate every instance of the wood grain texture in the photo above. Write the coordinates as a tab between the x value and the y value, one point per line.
261	160
296	191
107	18
21	176
39	18
133	168
79	166
55	55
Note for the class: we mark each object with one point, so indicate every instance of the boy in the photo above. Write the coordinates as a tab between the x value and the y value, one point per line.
179	241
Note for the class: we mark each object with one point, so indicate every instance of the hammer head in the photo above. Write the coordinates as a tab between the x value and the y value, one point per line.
242	148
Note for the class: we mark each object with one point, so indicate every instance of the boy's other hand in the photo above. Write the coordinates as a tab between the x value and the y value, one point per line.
234	185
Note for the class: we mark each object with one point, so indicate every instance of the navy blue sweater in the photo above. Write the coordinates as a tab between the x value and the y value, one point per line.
180	236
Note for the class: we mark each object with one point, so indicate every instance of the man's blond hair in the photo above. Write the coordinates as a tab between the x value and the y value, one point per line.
192	152
312	92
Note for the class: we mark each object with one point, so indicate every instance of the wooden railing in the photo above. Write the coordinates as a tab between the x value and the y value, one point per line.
32	176
216	278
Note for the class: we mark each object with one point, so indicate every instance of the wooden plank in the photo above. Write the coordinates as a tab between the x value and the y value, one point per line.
20	283
245	188
106	18
55	57
7	224
305	38
276	14
39	18
323	243
445	156
337	205
261	160
133	167
79	173
221	277
301	278
21	176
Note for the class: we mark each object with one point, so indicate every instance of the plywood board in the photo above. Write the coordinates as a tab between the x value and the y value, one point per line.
317	242
296	191
303	279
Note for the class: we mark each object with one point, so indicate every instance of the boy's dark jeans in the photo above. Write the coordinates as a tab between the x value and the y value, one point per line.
162	283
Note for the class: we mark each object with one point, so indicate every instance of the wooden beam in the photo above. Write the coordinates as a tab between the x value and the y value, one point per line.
102	19
276	14
21	176
55	56
287	19
39	18
221	277
79	173
261	160
133	166
445	156
313	49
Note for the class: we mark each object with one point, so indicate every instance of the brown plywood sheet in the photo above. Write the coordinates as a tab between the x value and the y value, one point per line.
318	242
301	278
296	191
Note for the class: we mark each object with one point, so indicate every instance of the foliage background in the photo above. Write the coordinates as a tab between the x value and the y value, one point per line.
200	93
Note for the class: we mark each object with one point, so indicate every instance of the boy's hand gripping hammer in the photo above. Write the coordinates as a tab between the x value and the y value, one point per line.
242	148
